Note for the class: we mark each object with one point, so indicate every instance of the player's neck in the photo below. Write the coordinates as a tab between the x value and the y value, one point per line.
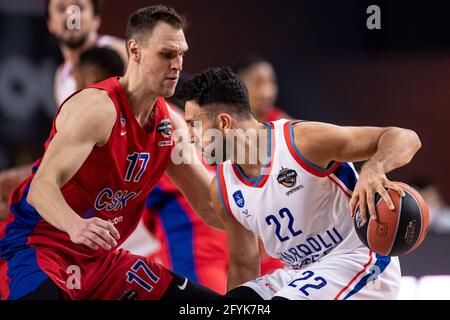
140	99
260	116
253	161
72	55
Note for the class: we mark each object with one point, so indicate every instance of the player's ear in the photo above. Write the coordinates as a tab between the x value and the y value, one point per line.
134	50
224	121
97	22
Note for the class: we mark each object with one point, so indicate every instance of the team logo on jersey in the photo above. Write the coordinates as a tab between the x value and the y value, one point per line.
165	128
287	177
109	200
123	120
239	199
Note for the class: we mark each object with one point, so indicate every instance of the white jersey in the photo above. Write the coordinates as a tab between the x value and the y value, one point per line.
299	211
65	83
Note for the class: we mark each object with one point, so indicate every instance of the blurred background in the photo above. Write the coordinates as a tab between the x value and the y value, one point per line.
330	67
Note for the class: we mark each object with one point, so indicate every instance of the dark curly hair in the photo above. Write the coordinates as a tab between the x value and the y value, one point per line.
217	88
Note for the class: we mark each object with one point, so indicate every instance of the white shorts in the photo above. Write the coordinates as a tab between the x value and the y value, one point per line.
359	275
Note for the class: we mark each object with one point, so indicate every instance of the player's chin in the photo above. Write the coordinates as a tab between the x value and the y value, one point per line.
168	92
74	35
211	158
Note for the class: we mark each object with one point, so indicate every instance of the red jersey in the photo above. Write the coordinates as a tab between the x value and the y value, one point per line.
112	184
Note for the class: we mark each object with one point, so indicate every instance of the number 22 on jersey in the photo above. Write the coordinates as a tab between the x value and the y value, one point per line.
284	214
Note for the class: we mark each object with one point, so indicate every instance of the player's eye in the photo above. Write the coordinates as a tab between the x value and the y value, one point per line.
166	55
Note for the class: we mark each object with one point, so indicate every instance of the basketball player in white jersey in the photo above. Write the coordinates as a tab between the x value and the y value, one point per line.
299	199
74	41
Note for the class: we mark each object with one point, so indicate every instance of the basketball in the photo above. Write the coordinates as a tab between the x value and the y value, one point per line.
395	233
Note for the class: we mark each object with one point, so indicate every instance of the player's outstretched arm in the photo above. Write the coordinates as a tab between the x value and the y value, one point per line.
191	176
242	245
385	149
85	121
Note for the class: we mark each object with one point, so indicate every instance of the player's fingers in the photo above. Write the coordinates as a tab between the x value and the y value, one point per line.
393	186
115	233
386	197
87	242
371	204
353	202
363	208
104	234
108	226
97	240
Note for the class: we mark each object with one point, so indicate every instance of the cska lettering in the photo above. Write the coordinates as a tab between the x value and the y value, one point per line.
113	201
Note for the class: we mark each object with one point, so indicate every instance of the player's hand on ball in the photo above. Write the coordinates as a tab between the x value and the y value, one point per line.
94	233
371	181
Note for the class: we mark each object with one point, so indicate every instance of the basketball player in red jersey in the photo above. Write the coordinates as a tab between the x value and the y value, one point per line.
87	192
183	242
72	43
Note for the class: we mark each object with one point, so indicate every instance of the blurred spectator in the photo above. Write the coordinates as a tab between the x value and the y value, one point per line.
95	65
439	210
73	42
259	76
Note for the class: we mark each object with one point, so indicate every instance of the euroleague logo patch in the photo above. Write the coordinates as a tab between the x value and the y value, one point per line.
287	177
165	128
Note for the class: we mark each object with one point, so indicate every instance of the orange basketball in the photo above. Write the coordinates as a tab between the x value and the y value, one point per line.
398	232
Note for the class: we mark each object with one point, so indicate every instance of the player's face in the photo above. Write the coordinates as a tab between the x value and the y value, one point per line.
68	24
261	83
162	58
80	78
200	124
86	76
